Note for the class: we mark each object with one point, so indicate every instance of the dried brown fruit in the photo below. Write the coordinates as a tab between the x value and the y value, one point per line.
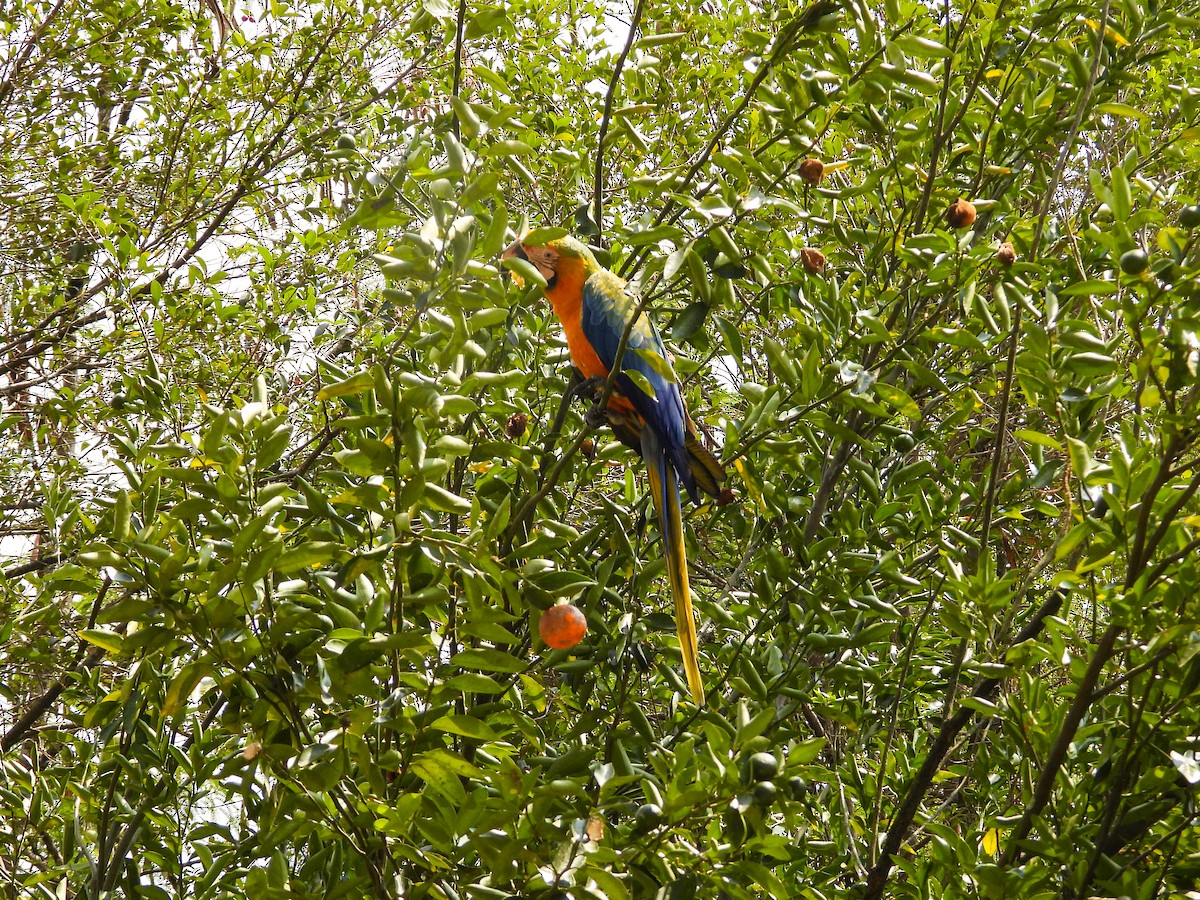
516	425
812	171
588	449
727	497
813	260
1007	254
961	214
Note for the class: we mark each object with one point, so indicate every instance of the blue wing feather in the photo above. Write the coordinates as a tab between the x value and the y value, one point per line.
605	311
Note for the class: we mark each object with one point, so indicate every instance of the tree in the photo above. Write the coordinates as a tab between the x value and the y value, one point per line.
294	468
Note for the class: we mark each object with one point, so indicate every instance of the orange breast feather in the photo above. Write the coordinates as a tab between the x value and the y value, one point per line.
567	299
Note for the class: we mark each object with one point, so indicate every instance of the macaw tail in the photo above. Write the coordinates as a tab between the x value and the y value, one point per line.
664	488
707	473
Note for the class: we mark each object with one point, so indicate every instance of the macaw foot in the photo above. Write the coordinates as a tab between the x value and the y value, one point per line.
595	417
592	385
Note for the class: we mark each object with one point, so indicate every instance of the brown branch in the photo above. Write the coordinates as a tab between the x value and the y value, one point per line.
459	30
906	812
598	189
42	704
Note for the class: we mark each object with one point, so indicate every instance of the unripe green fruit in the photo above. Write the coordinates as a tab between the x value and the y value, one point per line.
764	793
1134	262
648	816
761	767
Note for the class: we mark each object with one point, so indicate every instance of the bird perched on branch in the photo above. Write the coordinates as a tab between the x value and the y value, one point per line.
646	408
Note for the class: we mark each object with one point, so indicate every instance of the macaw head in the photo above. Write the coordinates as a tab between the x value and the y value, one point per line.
563	257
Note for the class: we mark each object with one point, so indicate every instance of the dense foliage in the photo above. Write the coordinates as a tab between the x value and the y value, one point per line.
289	475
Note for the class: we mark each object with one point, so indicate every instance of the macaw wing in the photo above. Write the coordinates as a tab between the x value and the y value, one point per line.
606	310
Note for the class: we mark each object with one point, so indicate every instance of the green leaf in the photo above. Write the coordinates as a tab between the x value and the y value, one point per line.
1121	194
525	270
1090	364
656	361
922	47
725	243
433	769
360	653
182	686
688	322
1088	288
103	638
729	333
488	661
475	683
465	726
357	384
308	555
1081	457
897	398
1036	437
481	188
509	148
1123	110
641	381
446	501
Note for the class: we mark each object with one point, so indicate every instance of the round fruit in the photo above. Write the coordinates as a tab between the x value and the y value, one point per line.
1134	262
648	815
813	260
1007	254
346	142
812	171
798	787
904	442
961	214
516	425
562	626
764	793
762	767
1189	216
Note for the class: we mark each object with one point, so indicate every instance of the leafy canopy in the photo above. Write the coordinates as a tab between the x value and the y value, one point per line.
290	476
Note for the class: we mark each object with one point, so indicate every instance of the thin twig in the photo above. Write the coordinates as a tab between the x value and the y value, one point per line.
598	190
459	28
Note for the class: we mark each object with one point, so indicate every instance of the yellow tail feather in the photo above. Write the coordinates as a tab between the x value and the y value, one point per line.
665	491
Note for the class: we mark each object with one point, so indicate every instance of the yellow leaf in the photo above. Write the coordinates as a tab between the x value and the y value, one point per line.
991	841
1109	31
751	486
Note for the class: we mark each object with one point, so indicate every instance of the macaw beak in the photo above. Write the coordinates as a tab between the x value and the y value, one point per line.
545	259
515	251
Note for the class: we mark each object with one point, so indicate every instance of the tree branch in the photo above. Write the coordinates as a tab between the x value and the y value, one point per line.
598	189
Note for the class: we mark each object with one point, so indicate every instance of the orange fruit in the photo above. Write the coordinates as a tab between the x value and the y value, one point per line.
562	626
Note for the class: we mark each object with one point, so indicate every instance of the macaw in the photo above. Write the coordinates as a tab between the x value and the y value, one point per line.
594	309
